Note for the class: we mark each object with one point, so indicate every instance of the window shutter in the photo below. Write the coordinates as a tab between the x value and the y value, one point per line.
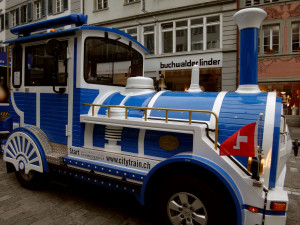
29	11
17	16
66	5
6	20
43	2
50	6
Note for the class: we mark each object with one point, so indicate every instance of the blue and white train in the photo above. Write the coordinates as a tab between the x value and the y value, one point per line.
80	106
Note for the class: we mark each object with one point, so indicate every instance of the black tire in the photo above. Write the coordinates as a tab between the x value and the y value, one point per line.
33	180
188	200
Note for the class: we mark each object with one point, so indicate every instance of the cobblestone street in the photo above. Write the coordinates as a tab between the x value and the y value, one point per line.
60	204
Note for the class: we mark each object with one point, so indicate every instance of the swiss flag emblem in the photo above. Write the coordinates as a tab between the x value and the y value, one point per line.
241	143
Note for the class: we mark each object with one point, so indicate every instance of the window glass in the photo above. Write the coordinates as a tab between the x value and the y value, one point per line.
213	36
110	62
149	42
149	38
197	38
181	40
296	37
271	39
167	42
39	66
132	32
197	21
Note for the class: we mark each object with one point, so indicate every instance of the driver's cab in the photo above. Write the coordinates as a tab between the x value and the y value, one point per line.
55	73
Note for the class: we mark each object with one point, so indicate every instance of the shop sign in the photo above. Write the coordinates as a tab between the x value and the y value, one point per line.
184	62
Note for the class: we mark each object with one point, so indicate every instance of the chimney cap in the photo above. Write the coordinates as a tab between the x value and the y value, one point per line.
249	18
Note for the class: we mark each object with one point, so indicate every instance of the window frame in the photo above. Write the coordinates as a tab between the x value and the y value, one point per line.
251	3
38	9
280	23
189	28
109	40
147	33
102	3
290	22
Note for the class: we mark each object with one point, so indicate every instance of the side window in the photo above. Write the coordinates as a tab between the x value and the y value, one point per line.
17	66
110	62
40	66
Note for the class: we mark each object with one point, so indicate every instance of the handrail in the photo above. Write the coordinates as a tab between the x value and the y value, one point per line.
190	111
284	124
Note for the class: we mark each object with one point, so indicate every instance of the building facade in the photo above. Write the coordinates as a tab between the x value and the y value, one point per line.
178	35
279	50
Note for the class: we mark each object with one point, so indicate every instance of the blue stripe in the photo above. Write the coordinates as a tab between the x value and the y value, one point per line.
139	101
130	140
113	99
275	148
185	100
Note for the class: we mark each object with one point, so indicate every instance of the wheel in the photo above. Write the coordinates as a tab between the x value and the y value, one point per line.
189	201
32	180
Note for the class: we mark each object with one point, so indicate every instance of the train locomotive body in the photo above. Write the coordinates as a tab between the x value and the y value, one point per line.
72	115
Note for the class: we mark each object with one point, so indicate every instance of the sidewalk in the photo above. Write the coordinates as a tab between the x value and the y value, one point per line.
293	123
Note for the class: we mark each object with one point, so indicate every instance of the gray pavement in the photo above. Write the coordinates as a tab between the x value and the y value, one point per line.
70	202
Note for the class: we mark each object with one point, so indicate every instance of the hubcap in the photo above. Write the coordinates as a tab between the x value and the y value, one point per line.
186	209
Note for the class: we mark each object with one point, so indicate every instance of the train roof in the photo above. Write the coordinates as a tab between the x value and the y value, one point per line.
79	20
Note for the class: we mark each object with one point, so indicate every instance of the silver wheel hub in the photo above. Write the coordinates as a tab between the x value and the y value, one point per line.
186	209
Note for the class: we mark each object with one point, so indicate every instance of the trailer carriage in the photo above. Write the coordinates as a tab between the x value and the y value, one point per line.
81	107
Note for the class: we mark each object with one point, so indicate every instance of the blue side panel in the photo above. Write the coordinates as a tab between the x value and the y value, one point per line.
81	96
99	136
54	116
30	108
151	143
130	138
139	101
185	100
18	97
113	99
275	148
238	110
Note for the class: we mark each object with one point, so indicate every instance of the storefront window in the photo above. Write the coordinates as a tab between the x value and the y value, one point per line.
289	91
180	80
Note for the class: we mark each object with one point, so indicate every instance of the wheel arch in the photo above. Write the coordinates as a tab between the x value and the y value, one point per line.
38	143
193	166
